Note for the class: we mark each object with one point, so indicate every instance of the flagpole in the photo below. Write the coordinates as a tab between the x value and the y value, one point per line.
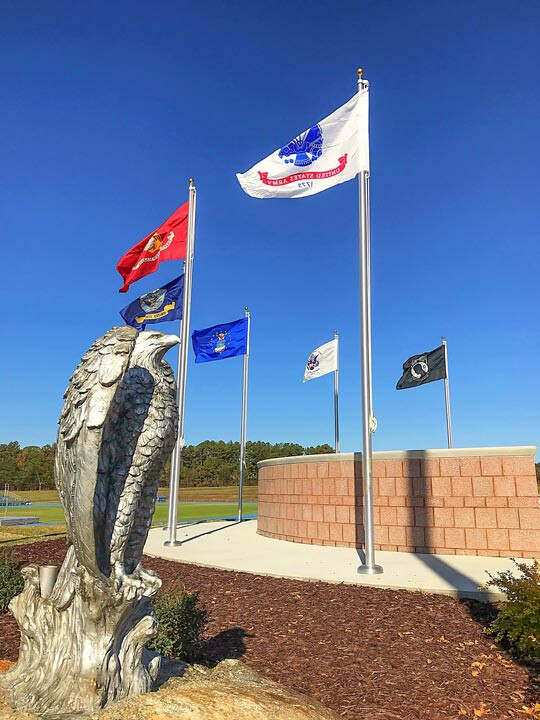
447	394
176	460
244	417
369	423
336	395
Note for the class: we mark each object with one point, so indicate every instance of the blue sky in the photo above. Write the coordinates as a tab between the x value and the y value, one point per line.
108	109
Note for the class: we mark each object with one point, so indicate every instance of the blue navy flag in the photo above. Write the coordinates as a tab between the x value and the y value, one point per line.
220	341
157	306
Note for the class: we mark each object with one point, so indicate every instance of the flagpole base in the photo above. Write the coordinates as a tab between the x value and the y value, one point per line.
370	570
172	543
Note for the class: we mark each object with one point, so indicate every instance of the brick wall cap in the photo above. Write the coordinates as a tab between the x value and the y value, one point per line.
505	451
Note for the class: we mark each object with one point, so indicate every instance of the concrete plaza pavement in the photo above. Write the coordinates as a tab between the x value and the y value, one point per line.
229	545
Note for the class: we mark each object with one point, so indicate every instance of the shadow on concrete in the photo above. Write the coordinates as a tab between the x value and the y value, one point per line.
226	525
421	535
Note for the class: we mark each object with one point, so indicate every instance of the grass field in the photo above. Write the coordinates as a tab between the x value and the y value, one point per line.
202	494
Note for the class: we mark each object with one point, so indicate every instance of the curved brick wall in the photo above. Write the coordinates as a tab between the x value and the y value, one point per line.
479	501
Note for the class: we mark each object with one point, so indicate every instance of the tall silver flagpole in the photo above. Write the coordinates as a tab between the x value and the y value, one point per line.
447	395
368	420
176	460
244	416
336	395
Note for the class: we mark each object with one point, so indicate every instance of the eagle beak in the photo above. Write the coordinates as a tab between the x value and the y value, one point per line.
169	341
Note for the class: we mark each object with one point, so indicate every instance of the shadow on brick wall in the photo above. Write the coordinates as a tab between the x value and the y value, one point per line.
420	532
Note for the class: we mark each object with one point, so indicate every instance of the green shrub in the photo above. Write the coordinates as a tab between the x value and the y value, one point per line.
181	624
518	619
11	580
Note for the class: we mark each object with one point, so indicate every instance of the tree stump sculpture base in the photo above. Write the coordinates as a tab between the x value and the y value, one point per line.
82	647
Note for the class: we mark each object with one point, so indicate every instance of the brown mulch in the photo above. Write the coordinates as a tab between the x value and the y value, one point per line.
365	652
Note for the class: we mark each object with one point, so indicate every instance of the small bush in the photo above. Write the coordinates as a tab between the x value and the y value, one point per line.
11	580
181	624
518	620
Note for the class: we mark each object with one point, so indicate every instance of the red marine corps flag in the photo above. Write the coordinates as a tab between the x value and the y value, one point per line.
168	242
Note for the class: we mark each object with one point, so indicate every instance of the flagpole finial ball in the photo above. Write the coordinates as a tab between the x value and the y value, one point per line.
360	72
191	181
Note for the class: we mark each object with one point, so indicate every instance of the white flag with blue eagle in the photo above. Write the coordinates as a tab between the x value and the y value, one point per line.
331	152
321	361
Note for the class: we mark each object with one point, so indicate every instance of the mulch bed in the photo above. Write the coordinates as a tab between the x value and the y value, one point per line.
366	653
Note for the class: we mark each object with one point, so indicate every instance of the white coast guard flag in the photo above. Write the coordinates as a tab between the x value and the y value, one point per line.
329	153
321	361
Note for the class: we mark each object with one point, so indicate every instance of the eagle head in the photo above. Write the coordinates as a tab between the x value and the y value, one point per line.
151	346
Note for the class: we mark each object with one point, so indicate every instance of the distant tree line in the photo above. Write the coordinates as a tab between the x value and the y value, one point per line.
211	463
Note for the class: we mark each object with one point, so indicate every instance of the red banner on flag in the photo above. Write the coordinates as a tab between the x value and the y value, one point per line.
168	242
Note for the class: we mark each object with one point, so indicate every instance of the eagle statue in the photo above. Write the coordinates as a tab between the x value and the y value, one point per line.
83	642
116	430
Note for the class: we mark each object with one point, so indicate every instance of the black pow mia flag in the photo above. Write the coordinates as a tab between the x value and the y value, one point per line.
421	369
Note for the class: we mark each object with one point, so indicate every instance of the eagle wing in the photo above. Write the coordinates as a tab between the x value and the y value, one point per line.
87	402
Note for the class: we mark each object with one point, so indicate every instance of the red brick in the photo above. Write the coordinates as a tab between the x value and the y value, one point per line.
381	534
405	548
461	486
429	467
387	486
323	530
434	537
378	468
329	513
535	554
433	501
523	502
469	466
342	514
526	486
529	519
414	501
317	513
496	501
448	466
421	486
312	530
527	540
354	514
441	486
518	465
464	517
411	468
297	511
397	535
336	499
341	486
486	517
394	468
389	548
306	512
403	486
415	536
504	486
343	468
322	469
329	486
453	502
482	486
404	516
349	533
498	539
312	469
507	517
396	501
443	517
491	466
388	516
301	470
423	517
336	531
288	471
454	537
476	538
475	502
380	500
308	485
